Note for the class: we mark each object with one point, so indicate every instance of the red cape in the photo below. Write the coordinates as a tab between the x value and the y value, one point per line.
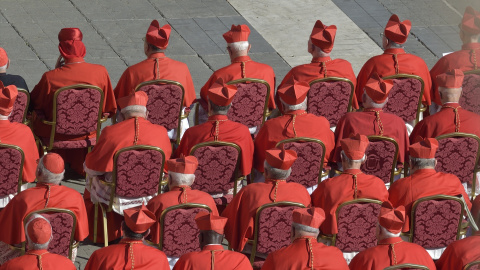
223	259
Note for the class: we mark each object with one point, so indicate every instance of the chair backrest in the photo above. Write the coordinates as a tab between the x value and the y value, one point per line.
137	171
218	164
19	112
179	232
405	98
475	265
250	103
407	266
11	169
357	223
470	99
436	221
63	223
381	154
165	102
331	98
307	169
273	226
458	153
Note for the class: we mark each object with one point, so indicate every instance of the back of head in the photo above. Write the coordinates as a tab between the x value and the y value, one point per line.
50	169
134	105
8	95
38	232
306	221
220	97
157	37
397	31
278	163
138	221
376	91
390	220
237	39
353	151
323	38
450	85
293	95
422	154
181	171
470	26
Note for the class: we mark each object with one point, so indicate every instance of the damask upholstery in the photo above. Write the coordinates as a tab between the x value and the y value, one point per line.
10	168
164	104
403	98
138	173
274	228
77	111
216	168
180	232
329	99
380	160
470	99
19	108
436	223
248	104
457	156
71	144
356	225
474	267
306	169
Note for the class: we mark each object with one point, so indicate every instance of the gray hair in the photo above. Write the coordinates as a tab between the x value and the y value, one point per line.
348	160
319	52
275	173
32	245
216	109
369	103
46	176
154	48
4	68
5	117
421	163
387	233
305	228
394	45
289	108
238	46
181	179
134	109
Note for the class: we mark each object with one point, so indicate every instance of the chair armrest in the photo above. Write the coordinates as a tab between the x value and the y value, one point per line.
106	183
105	117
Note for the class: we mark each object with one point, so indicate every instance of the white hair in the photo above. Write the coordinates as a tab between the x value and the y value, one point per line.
369	103
134	108
181	179
348	160
289	108
5	117
275	173
387	234
319	52
32	245
4	68
46	176
238	46
305	228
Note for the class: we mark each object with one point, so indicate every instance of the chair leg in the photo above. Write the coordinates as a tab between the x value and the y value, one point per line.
95	223
105	227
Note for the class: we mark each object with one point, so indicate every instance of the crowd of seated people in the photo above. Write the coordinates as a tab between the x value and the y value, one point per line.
135	225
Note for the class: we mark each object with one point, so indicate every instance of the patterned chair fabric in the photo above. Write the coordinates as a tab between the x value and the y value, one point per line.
71	144
329	99
380	160
474	267
19	108
77	111
306	168
10	168
138	173
248	104
403	98
164	104
436	223
274	228
356	225
457	156
216	168
470	99
180	232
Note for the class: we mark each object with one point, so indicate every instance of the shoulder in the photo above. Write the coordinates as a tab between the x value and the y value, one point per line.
262	65
340	61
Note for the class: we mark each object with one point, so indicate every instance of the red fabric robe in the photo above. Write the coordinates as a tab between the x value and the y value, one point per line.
384	65
297	256
462	59
365	123
443	122
333	68
242	209
337	190
168	69
21	136
423	183
175	197
30	261
223	259
281	128
119	257
233	72
381	256
35	198
460	253
228	131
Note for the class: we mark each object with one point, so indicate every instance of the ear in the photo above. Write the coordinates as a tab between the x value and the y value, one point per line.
249	47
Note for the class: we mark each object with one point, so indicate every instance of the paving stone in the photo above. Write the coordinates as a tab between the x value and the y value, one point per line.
176	9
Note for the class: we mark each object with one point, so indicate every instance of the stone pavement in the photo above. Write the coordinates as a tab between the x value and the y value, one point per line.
113	30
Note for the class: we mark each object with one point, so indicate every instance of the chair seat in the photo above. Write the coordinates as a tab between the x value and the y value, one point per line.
71	144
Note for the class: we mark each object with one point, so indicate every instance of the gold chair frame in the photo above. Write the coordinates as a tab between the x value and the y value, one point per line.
469	265
406	265
338	79
420	107
175	207
53	123
394	171
72	243
180	115
26	122
20	174
477	168
236	172
113	186
321	174
257	223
